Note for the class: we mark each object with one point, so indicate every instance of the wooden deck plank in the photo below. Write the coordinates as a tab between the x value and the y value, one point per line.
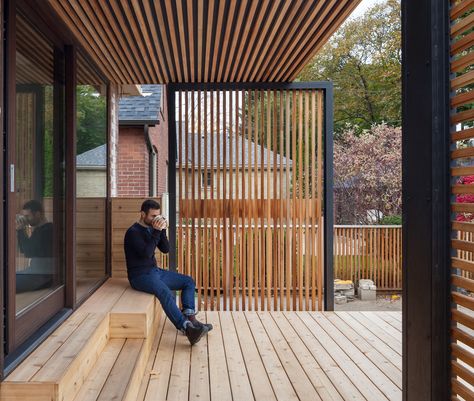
280	382
276	356
92	387
391	370
317	376
356	375
383	383
106	296
218	374
199	376
261	386
377	319
371	338
392	342
300	381
346	388
119	378
160	374
178	388
238	375
391	320
79	342
41	355
151	359
395	315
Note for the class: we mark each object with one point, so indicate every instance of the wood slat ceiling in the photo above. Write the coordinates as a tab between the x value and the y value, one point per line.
148	41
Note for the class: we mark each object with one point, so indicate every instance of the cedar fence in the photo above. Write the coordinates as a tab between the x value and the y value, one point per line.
369	252
372	252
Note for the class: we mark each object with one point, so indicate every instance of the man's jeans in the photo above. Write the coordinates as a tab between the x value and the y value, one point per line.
161	283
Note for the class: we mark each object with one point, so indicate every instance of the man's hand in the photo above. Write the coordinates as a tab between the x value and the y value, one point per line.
21	222
160	223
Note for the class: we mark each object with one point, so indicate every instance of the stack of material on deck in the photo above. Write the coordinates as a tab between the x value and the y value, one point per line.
343	291
367	290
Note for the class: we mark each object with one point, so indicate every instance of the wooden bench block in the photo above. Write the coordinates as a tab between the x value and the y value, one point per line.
132	315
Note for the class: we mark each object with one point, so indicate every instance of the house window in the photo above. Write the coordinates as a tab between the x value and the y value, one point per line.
207	181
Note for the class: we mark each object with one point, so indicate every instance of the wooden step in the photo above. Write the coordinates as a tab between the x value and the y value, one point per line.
60	376
119	371
133	314
57	369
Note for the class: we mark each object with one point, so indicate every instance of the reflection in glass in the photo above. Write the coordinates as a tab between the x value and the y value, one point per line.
39	165
91	179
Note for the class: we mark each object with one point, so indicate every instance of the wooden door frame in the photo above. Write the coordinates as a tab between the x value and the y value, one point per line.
327	88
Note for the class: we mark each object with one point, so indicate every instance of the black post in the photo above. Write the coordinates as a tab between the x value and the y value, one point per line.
70	157
426	227
328	200
170	94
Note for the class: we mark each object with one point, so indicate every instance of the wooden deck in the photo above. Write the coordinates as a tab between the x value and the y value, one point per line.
279	356
119	346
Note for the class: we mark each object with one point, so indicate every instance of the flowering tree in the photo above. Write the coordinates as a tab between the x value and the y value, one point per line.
465	198
367	175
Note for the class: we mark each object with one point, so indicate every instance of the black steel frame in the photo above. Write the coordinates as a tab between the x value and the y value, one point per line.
426	203
327	88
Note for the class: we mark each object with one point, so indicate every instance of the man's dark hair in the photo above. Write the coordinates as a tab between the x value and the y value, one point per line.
149	204
34	206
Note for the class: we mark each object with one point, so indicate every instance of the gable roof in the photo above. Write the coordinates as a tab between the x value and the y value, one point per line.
252	152
141	109
96	157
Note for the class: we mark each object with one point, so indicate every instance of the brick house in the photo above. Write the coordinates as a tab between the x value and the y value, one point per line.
142	152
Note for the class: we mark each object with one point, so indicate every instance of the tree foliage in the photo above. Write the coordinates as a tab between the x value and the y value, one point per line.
91	118
363	59
367	175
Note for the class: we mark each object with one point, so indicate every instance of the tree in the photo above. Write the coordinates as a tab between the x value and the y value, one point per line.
91	118
367	175
363	59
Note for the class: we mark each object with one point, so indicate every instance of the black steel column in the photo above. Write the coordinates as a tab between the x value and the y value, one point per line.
426	229
328	199
170	94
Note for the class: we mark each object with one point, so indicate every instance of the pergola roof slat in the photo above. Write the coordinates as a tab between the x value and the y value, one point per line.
148	41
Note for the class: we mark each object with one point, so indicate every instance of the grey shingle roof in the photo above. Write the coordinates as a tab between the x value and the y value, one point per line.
141	108
93	158
252	153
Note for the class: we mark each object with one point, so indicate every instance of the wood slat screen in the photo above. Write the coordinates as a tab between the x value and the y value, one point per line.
369	252
462	172
151	41
249	190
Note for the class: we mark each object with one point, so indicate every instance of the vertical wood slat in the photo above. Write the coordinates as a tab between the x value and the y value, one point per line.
268	242
294	215
281	242
287	201
261	130
213	283
224	197
199	242
243	232
205	187
179	187
219	234
250	220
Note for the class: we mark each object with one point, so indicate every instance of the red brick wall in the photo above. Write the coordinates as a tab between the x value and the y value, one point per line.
159	139
133	170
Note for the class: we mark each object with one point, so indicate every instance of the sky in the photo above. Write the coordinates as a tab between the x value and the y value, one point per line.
363	6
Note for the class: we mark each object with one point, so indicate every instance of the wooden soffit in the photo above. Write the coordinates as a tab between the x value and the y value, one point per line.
151	41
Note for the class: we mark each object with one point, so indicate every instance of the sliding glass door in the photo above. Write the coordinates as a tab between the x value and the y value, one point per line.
35	202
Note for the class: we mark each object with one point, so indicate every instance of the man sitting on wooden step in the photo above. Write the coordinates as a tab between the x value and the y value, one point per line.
141	240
